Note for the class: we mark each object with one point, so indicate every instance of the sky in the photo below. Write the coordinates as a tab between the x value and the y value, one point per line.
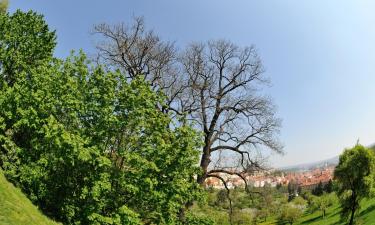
319	56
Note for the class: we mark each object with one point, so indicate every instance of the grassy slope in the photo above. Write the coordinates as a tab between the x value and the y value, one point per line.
16	209
366	216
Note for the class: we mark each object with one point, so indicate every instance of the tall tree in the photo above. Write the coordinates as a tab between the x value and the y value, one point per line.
221	97
355	179
215	85
88	146
25	43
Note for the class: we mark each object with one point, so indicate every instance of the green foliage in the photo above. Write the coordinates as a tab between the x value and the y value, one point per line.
299	201
25	42
192	219
242	218
355	179
290	213
309	216
85	145
16	209
221	197
322	203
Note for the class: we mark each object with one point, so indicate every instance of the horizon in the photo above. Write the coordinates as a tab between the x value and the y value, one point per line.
319	59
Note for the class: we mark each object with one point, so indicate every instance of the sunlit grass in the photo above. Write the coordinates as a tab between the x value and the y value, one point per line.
16	209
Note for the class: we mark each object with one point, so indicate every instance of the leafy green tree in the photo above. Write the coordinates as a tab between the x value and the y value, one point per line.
221	197
266	206
322	203
96	148
192	219
355	179
242	218
25	42
289	214
86	145
300	202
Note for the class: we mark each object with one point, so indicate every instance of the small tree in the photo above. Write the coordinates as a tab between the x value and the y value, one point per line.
221	197
322	203
289	214
267	205
355	179
299	202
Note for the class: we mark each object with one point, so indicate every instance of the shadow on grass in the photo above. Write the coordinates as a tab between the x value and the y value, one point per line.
334	214
319	217
312	220
367	210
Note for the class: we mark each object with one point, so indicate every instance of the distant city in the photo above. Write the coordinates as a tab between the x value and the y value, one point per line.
303	177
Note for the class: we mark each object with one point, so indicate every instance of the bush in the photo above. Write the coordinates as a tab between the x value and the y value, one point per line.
192	219
289	214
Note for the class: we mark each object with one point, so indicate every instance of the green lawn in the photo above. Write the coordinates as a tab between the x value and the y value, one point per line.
16	209
366	216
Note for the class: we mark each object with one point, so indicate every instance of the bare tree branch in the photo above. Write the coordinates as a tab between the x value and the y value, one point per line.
215	85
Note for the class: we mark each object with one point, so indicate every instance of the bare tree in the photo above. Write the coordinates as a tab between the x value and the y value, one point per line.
222	90
215	85
136	51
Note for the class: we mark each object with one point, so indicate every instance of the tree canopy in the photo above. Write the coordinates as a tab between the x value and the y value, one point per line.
355	179
86	145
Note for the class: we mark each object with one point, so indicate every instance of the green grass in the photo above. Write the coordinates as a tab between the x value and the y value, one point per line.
366	216
16	208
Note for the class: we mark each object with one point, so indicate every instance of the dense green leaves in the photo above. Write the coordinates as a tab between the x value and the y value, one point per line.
355	179
86	145
25	42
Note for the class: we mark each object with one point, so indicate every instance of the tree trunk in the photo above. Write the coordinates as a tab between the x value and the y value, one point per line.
353	197
205	161
352	216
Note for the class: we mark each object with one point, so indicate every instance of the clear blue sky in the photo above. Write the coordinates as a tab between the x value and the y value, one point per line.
320	56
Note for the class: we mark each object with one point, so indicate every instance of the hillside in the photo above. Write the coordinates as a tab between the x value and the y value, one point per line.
16	209
366	216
